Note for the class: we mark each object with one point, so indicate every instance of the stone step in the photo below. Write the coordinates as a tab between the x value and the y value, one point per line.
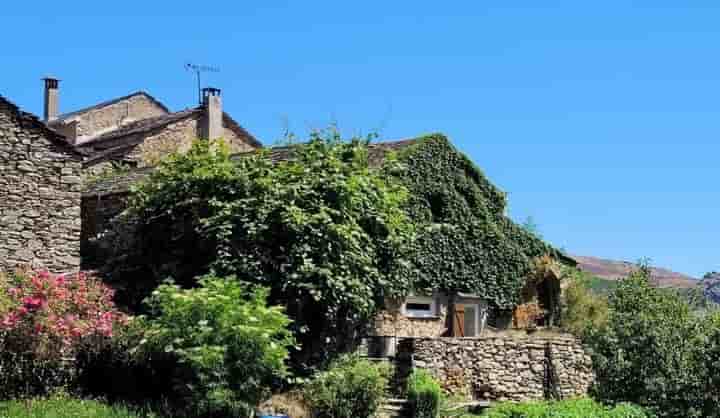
394	408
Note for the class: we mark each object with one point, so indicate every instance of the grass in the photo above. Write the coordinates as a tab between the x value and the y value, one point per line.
574	408
63	406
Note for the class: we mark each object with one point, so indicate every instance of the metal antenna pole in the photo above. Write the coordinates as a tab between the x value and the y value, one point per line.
197	69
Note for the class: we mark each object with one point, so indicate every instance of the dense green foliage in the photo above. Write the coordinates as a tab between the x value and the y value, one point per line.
654	351
62	406
579	408
350	388
424	394
228	345
582	308
323	231
465	241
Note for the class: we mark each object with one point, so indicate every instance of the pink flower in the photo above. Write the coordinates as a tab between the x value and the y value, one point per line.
33	303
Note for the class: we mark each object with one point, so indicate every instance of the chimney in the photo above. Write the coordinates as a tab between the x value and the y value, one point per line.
52	98
212	125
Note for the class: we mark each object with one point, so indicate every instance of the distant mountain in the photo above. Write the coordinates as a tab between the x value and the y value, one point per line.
614	270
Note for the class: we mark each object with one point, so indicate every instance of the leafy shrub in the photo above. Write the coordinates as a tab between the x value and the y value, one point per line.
582	308
226	345
46	321
578	408
424	394
350	388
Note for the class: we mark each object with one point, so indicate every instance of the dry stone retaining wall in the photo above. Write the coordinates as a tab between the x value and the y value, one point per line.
40	192
504	368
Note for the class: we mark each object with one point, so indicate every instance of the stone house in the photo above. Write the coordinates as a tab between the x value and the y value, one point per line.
40	189
47	164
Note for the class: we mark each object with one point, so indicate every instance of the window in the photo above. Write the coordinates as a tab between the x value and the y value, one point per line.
419	307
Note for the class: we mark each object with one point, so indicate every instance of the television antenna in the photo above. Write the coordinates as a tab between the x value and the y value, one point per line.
197	69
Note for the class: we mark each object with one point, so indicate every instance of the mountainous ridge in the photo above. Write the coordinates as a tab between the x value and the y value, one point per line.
615	270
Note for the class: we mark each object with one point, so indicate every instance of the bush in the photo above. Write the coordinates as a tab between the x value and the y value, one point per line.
46	322
424	394
578	408
350	388
227	347
582	309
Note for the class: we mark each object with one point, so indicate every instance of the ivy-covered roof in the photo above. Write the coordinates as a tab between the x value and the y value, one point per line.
465	241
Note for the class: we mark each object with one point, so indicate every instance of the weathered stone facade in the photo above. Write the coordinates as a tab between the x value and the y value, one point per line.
178	136
40	192
119	112
504	367
391	322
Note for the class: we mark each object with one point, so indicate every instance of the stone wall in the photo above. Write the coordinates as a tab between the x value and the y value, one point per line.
154	145
390	322
107	118
40	189
504	367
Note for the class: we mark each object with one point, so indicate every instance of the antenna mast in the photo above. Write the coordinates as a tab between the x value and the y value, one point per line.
197	69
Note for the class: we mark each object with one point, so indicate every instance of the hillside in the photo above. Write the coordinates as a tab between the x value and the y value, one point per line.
614	270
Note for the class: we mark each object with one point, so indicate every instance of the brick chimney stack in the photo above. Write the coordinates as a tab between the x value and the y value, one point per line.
212	126
52	98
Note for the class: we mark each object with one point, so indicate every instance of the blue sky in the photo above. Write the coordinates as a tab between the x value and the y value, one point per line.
600	119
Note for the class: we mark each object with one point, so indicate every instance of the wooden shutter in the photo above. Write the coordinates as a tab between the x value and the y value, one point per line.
458	320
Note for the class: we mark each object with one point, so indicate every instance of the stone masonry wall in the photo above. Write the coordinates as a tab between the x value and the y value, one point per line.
390	322
40	189
504	367
107	118
154	146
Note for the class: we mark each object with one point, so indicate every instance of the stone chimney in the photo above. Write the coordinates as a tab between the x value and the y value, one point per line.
52	99
212	122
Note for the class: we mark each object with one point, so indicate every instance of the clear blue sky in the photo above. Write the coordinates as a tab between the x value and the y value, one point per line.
600	119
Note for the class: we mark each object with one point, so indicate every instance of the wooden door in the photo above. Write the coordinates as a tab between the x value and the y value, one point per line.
458	320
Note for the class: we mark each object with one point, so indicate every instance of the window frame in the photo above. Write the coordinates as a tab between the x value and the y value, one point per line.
417	313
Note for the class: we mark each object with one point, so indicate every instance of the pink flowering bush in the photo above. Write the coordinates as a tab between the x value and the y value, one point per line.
45	321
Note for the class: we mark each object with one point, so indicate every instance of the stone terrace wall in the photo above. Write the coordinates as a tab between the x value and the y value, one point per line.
40	188
504	368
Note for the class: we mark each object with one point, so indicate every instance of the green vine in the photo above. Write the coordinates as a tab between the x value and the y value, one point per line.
465	242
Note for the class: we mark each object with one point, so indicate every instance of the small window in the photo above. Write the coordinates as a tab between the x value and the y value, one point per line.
416	307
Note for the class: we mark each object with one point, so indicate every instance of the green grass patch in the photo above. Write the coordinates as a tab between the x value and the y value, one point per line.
576	408
62	406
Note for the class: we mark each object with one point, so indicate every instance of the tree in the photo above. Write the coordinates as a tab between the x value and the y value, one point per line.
322	230
648	351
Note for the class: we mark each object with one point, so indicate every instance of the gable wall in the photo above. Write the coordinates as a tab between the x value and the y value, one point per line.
40	192
178	136
96	121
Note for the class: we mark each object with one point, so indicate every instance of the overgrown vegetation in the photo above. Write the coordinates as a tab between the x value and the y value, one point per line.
654	351
350	388
47	322
579	408
228	347
424	394
325	233
465	242
63	406
582	307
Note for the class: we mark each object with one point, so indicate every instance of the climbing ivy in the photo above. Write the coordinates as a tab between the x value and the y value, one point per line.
465	242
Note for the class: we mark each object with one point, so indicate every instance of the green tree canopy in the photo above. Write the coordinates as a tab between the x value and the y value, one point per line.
322	230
